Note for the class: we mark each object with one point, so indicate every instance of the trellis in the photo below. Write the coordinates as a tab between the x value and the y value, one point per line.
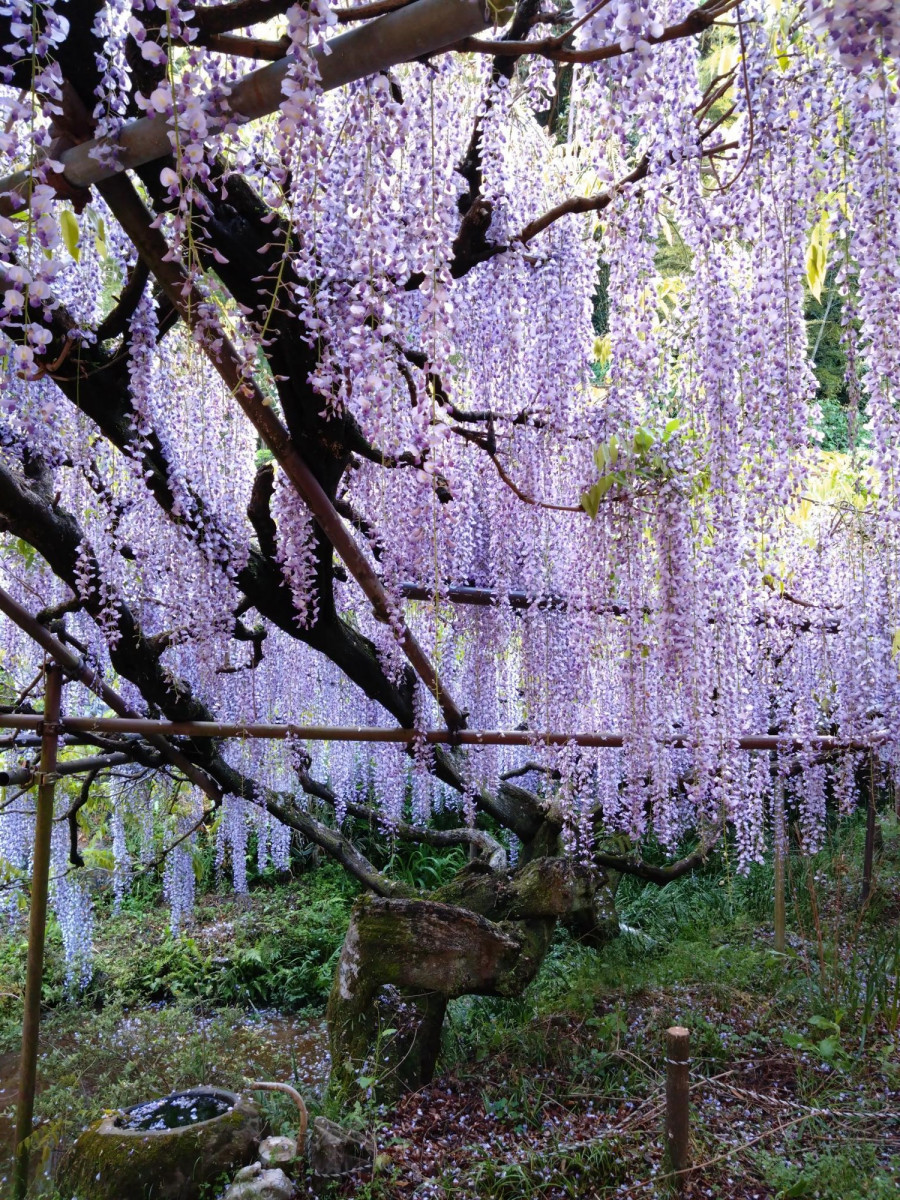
426	27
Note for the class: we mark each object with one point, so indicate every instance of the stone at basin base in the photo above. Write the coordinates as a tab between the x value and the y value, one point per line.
111	1163
335	1151
256	1183
277	1151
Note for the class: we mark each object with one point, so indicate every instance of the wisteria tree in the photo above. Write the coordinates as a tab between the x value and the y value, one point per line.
462	386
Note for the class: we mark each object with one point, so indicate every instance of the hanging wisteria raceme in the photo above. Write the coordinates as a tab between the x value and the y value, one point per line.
546	329
73	907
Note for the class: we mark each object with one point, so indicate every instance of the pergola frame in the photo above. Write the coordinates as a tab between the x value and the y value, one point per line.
51	725
426	27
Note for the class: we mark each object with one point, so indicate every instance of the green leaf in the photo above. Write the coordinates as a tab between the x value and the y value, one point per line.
99	858
829	1047
817	256
100	239
643	440
26	550
672	425
824	1023
613	450
68	227
603	485
796	1190
590	501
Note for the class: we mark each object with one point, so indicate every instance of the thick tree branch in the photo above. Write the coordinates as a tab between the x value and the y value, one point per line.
629	865
694	23
116	322
485	846
240	14
335	845
75	856
151	245
364	12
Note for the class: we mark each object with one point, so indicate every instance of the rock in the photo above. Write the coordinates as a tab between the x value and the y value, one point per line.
277	1151
255	1183
337	1151
249	1172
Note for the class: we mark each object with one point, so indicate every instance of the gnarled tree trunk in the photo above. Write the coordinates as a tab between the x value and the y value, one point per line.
486	933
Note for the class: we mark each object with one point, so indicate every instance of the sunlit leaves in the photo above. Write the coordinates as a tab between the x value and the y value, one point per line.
636	465
71	234
817	256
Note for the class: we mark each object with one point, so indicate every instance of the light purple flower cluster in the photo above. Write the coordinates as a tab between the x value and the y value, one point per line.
860	32
732	578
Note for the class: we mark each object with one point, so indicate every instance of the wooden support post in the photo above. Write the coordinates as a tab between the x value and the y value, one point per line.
869	849
40	879
678	1059
780	851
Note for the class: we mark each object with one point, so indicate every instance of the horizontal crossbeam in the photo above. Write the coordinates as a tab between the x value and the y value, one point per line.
464	737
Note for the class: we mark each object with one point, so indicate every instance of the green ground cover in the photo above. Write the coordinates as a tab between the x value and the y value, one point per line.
796	1060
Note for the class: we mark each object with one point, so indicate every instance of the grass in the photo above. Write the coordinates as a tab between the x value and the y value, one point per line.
558	1093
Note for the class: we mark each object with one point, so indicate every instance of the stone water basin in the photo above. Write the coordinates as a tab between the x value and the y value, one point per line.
164	1149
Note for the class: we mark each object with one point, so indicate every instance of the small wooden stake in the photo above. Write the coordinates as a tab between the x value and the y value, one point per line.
40	879
678	1058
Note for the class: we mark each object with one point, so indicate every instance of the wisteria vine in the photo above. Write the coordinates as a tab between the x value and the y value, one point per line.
540	324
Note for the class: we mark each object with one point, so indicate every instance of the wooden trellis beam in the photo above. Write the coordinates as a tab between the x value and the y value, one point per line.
463	737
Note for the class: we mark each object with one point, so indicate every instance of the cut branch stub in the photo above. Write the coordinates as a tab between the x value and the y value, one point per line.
421	944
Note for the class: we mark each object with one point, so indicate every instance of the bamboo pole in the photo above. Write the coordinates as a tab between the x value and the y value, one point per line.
424	27
40	881
363	733
678	1058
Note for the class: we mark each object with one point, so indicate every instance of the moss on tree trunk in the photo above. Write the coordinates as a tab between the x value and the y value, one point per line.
485	933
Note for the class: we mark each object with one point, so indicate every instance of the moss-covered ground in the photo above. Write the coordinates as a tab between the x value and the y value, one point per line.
796	1056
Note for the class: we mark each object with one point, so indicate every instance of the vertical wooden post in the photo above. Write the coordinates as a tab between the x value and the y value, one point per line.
780	849
869	849
40	879
678	1059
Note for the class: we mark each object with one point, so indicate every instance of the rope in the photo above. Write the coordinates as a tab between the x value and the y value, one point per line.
807	1108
